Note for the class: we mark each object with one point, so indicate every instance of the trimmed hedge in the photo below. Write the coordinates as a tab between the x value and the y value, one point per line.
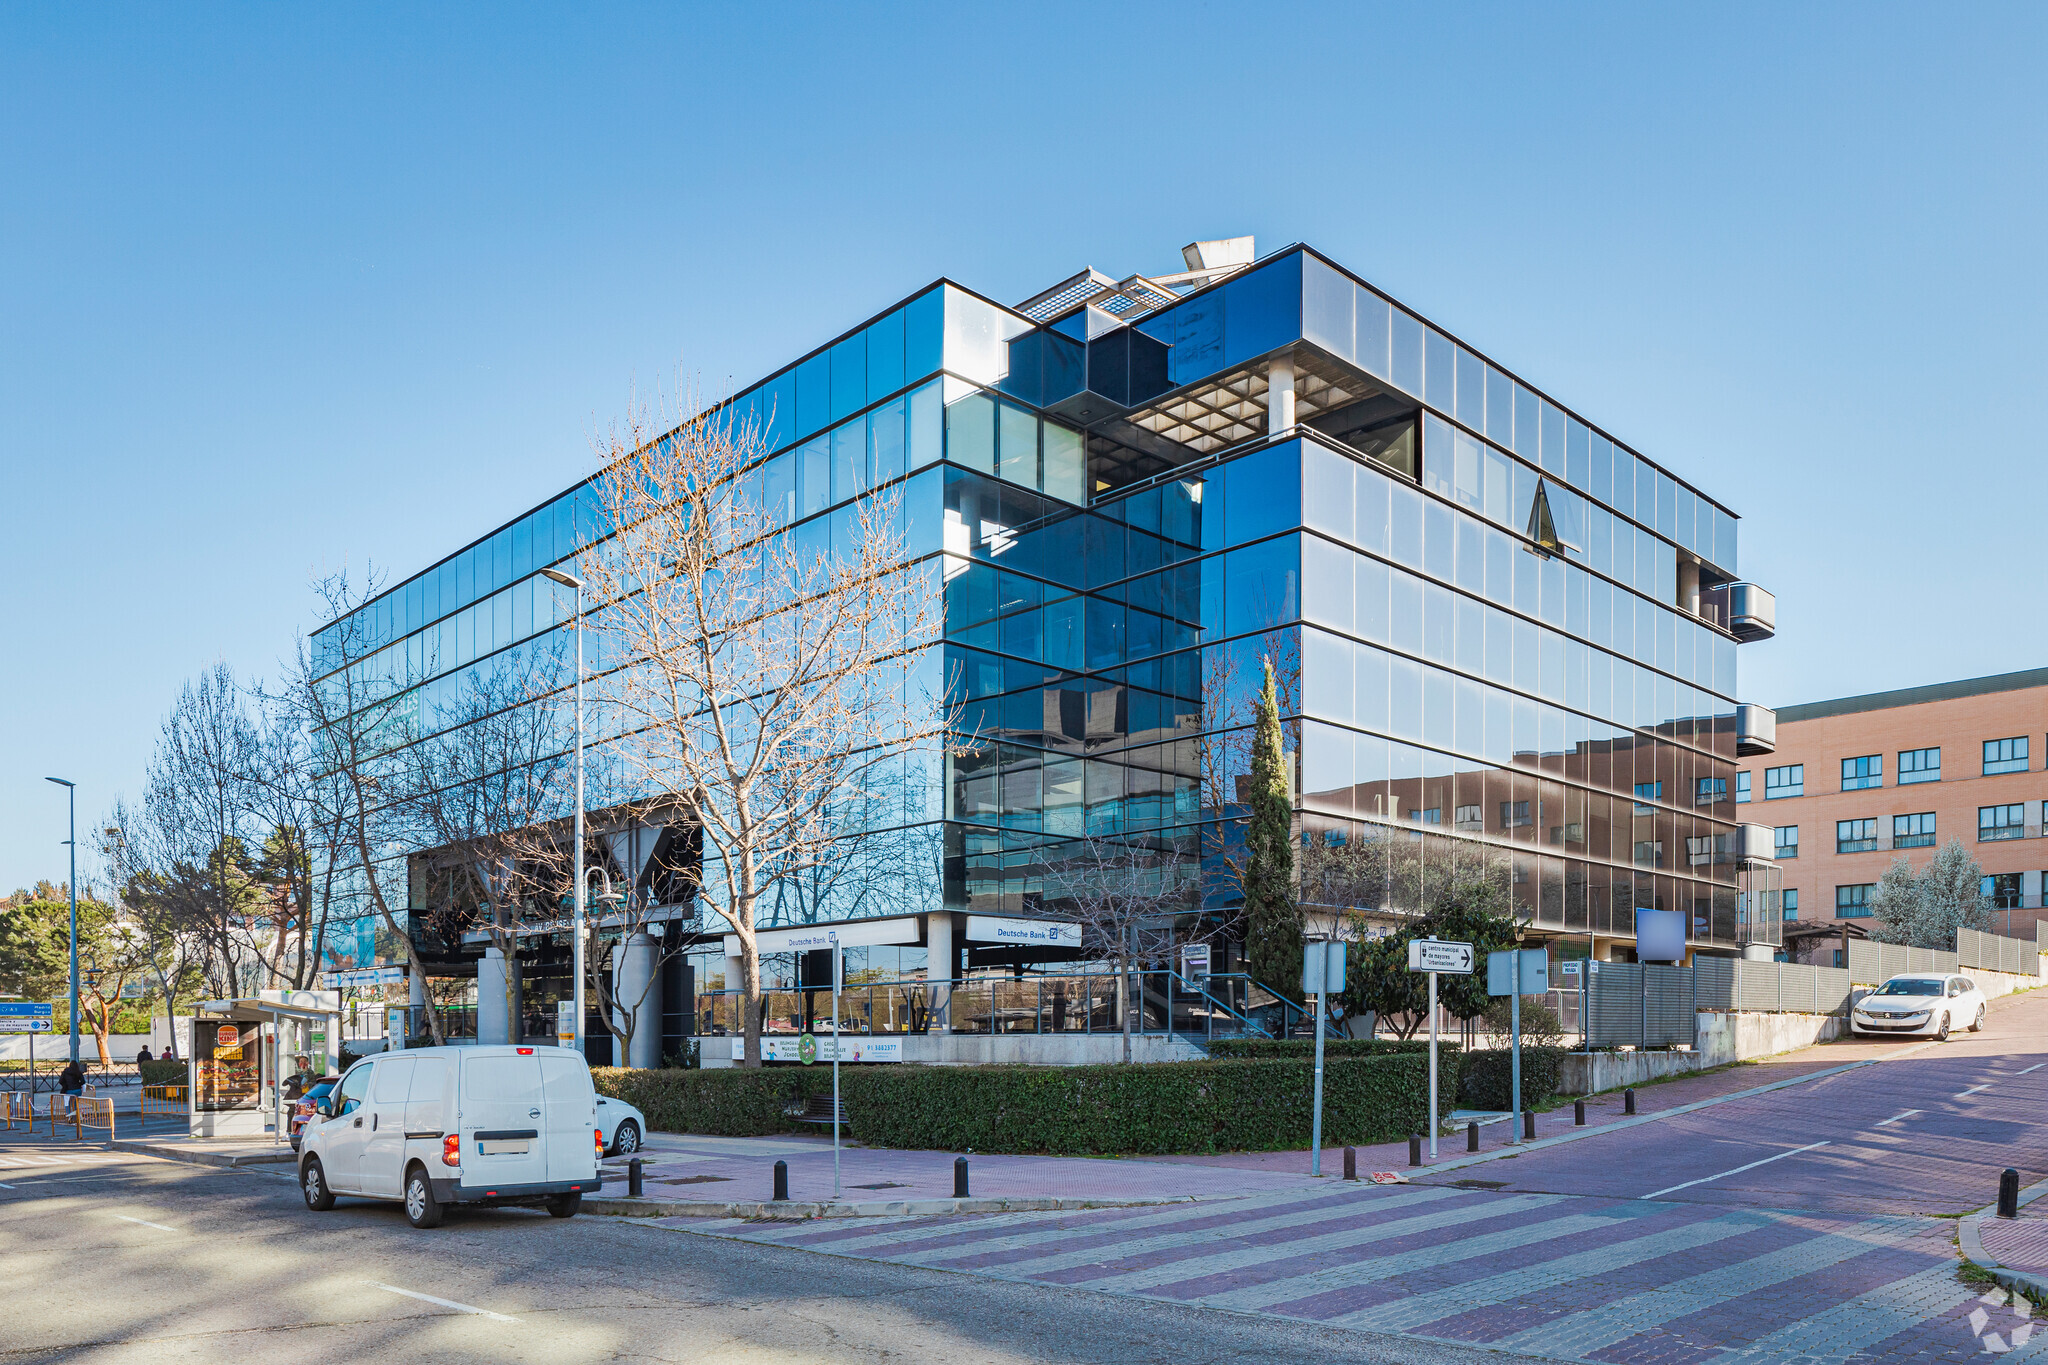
727	1102
162	1073
1155	1108
1488	1076
1244	1048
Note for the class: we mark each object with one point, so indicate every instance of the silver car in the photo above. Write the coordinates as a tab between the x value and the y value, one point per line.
1920	1004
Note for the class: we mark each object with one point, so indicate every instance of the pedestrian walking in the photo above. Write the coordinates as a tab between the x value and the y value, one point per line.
71	1081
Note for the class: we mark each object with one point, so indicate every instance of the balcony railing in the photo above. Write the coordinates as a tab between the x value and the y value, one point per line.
1912	840
1991	833
1752	612
1756	730
1856	845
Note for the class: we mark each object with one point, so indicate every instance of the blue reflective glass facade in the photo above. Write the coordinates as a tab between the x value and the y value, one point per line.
1496	627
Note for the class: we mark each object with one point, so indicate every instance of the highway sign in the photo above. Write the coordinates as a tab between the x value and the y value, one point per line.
16	1024
1439	955
23	1009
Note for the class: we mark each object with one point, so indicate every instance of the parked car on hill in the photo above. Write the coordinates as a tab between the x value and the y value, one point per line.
1920	1004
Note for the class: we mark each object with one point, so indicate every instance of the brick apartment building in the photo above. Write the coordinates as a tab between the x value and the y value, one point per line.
1857	781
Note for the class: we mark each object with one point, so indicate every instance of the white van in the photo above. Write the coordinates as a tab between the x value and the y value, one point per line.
431	1127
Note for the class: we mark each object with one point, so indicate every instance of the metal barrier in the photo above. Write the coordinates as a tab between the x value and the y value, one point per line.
1642	1005
92	1112
7	1108
1996	953
169	1101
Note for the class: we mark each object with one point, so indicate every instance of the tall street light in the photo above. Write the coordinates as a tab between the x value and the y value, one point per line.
576	937
73	842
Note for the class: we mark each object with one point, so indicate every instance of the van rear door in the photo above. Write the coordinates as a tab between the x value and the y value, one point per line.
503	1141
571	1118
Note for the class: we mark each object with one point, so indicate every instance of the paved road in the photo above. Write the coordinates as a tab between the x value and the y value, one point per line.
120	1258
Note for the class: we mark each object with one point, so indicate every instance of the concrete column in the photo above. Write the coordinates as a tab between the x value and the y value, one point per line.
636	986
1689	585
941	962
493	1023
418	1018
1280	395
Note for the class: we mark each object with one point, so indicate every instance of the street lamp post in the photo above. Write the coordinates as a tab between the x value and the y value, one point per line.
576	937
72	791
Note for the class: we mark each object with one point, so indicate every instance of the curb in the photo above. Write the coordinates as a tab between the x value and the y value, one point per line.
795	1211
1973	1246
171	1151
1578	1134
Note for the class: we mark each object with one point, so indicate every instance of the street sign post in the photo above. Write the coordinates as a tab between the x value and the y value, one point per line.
1517	972
837	959
1435	956
1322	971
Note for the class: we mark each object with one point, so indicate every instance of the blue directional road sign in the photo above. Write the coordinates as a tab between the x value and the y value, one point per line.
24	1016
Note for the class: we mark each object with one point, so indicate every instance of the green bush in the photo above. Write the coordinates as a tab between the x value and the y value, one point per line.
727	1101
1253	1105
1488	1080
1235	1049
162	1073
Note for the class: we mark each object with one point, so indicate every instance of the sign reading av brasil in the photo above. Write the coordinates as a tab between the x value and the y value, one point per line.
1439	955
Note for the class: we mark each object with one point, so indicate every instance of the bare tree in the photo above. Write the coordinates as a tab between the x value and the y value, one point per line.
761	681
1132	898
360	703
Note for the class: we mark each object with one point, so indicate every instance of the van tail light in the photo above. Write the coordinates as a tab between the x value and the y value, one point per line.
526	1052
597	1135
451	1150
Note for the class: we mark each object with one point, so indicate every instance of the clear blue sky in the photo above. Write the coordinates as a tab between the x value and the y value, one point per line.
288	288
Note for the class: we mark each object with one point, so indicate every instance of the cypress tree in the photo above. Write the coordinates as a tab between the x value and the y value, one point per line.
1273	939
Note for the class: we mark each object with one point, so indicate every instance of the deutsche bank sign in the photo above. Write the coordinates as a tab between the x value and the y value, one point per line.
1437	955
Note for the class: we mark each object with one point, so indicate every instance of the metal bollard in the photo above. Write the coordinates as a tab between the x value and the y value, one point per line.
1471	1137
1528	1125
1351	1163
633	1174
1628	1100
960	1177
1415	1149
1578	1113
2009	1193
781	1182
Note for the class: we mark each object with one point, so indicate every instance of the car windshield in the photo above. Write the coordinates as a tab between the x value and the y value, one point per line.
1908	987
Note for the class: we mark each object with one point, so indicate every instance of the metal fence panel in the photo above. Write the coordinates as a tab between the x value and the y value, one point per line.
1832	988
1715	985
1798	991
1615	1005
1672	1006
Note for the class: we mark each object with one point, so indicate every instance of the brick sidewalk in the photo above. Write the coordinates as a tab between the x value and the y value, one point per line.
2018	1243
1562	1276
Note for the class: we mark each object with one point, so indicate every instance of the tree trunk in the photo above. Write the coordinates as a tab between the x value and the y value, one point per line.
750	979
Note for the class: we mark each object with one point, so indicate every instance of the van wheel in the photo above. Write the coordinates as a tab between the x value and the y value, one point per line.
626	1141
1978	1027
313	1181
422	1210
564	1205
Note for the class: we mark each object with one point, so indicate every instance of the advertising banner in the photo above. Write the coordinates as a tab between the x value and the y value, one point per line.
785	1048
229	1063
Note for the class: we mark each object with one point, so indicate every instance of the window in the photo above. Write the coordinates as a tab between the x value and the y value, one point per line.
1913	831
1853	902
1791	902
1514	814
1855	836
1650	853
1432	815
1919	765
1647	792
1711	790
1782	782
1786	837
1741	787
2002	890
2005	755
1469	818
1858	773
2001	822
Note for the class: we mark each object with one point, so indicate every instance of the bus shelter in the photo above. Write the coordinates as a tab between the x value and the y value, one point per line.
242	1056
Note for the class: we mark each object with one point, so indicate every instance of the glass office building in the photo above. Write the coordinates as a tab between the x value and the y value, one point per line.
1499	632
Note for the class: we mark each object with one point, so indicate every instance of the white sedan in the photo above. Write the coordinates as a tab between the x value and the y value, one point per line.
621	1129
1920	1004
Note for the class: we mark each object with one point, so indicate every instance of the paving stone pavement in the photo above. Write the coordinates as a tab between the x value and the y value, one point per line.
1620	1281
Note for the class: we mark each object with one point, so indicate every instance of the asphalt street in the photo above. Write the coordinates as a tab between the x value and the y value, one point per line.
1925	1132
126	1258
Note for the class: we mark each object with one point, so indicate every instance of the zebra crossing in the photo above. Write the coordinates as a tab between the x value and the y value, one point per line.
1559	1276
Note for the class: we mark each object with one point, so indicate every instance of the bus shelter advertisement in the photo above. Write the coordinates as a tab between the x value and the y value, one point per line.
228	1058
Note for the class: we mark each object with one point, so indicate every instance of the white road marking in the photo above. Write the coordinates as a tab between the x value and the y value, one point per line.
1975	1088
1737	1171
445	1303
2035	1067
145	1222
1896	1117
5	1186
